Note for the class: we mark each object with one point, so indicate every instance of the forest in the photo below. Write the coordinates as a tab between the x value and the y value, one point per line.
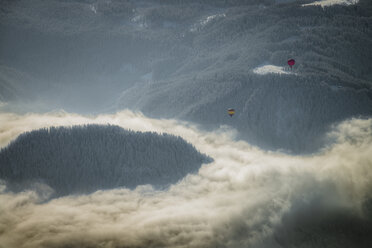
82	159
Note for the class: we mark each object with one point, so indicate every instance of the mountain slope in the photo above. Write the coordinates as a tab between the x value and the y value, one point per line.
194	61
330	82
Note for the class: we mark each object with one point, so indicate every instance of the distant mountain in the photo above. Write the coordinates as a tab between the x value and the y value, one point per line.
82	159
194	60
330	82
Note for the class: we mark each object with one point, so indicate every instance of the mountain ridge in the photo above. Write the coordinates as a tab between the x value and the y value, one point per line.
193	63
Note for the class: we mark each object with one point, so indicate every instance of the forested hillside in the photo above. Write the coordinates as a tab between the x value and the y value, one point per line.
82	159
330	82
194	61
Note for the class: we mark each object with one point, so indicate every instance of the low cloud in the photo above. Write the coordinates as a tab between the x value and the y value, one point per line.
246	197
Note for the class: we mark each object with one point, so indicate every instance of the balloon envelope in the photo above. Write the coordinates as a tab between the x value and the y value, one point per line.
291	62
231	112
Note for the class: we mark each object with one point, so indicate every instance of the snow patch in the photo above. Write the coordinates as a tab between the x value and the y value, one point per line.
139	21
210	18
93	8
324	3
266	69
203	22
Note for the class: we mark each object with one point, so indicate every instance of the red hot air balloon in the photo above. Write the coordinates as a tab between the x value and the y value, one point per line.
291	63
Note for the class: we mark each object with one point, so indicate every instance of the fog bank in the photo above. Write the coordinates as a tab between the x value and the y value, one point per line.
246	197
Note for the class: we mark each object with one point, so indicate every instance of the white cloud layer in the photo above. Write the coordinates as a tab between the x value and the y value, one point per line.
244	198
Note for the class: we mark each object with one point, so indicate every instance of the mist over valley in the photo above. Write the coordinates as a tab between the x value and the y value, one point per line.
199	123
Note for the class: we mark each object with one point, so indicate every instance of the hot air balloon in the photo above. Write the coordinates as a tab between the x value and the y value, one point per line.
231	112
291	63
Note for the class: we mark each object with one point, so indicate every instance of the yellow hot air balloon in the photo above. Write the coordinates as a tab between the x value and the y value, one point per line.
231	112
